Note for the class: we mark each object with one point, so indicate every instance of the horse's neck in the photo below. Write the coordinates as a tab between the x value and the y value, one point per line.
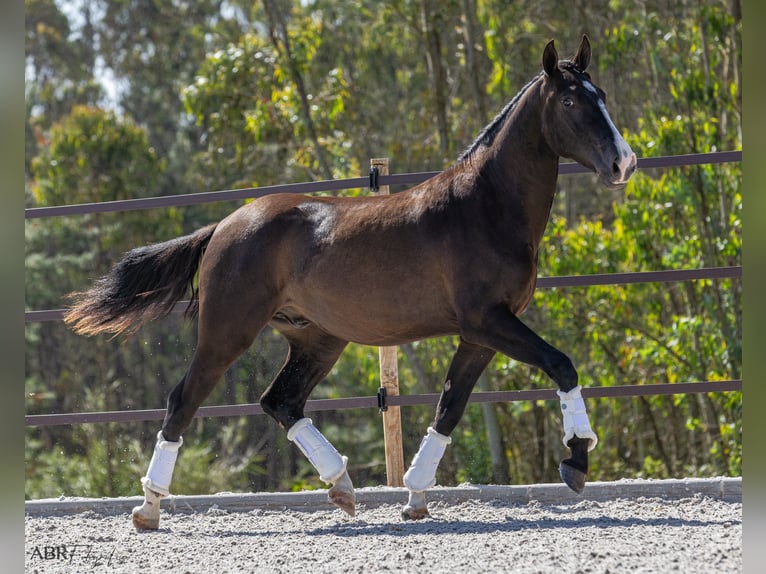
521	168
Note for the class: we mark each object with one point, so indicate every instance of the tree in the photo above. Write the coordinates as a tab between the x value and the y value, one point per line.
59	72
92	156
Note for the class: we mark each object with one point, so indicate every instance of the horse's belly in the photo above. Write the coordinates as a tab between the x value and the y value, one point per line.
376	320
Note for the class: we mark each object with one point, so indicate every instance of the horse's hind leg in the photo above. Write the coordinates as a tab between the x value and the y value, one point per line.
221	341
467	364
311	356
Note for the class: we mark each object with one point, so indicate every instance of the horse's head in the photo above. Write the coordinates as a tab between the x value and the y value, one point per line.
576	123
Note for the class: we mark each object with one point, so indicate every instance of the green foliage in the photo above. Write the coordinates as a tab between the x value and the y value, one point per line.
246	94
246	85
106	464
93	156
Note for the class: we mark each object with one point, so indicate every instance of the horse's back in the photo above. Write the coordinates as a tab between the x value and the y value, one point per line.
365	269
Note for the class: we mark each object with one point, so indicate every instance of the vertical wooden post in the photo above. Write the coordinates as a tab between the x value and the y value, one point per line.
389	380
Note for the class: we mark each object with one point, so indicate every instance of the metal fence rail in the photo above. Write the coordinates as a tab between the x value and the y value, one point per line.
635	277
335	185
400	400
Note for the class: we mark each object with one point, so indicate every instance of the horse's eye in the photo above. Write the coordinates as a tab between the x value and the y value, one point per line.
567	101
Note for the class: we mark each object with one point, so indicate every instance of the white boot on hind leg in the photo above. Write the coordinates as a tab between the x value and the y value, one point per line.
328	462
156	483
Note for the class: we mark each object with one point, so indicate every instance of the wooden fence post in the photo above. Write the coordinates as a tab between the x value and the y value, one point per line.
389	380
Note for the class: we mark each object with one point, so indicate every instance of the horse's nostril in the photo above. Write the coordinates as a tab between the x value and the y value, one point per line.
616	169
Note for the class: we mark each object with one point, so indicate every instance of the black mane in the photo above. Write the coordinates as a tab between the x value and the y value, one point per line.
487	135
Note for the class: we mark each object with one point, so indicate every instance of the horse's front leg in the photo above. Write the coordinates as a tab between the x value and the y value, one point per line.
501	330
467	364
578	436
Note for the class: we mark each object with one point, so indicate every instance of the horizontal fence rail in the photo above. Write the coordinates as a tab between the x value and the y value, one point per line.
399	400
336	185
654	389
670	275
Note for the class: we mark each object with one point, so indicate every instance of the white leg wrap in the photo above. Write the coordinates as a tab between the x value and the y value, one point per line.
161	466
422	472
576	417
328	462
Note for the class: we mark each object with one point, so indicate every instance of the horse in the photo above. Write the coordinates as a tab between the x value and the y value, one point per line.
460	254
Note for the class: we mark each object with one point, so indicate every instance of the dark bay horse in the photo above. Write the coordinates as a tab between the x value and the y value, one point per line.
456	254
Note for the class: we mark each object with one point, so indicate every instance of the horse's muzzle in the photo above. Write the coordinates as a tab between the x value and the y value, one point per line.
622	169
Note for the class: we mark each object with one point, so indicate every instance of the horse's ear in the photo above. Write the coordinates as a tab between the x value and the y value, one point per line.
582	57
550	59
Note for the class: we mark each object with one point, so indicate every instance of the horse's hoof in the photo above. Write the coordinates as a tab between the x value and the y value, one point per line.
416	507
409	513
412	513
344	500
143	522
342	495
573	477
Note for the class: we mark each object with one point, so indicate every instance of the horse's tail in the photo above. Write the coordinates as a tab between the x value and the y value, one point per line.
144	285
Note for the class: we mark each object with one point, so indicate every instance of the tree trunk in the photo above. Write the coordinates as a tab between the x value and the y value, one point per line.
431	22
501	473
281	41
472	64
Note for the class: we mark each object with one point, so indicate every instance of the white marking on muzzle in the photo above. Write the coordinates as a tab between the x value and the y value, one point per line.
626	159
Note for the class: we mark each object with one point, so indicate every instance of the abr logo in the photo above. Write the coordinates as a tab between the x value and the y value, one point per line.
52	553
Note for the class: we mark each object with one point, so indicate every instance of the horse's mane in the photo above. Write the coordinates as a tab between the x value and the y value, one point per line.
487	135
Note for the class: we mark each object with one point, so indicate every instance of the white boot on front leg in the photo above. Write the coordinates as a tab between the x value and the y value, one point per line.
576	422
328	462
156	483
422	473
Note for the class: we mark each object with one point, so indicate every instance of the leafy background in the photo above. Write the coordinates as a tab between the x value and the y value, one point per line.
135	98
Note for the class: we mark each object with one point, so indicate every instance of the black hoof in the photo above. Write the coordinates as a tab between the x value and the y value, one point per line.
572	476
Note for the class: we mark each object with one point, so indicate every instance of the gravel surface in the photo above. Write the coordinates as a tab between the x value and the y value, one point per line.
696	534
